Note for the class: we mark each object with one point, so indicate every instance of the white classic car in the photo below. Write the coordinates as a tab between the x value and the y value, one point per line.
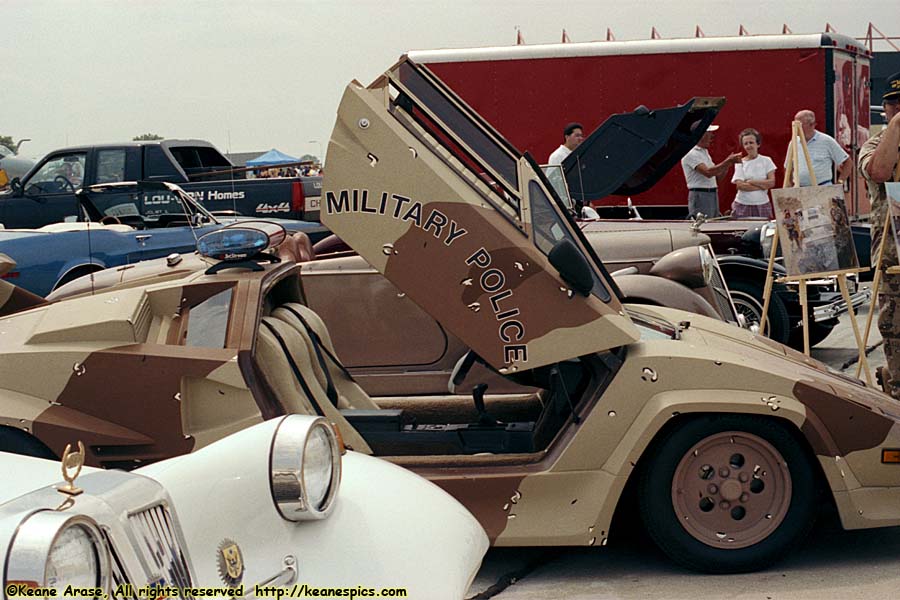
274	506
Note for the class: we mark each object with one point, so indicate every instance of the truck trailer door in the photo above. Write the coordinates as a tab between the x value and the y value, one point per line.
850	119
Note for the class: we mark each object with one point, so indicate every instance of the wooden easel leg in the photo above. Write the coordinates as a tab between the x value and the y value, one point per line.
795	155
789	170
805	323
842	282
876	282
767	289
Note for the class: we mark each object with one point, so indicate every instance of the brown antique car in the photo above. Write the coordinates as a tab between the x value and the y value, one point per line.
743	261
731	442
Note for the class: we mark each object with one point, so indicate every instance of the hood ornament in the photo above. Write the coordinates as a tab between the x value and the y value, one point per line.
698	221
71	468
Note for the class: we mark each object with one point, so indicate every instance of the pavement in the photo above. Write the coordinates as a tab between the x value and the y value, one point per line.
839	349
830	564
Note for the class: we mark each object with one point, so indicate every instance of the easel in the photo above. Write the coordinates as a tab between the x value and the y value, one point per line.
792	175
876	278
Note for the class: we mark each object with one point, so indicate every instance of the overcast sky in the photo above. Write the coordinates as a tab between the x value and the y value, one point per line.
253	75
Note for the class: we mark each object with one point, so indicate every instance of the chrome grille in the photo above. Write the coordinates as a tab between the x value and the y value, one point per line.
722	295
159	547
118	573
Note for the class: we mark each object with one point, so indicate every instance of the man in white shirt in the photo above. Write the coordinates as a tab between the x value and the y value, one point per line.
573	135
824	151
701	175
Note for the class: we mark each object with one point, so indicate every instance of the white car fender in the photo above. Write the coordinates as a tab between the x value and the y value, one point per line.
389	527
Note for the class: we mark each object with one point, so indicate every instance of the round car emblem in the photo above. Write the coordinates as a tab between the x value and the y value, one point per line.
230	562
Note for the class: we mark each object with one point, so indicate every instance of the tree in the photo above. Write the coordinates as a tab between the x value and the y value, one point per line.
6	140
147	137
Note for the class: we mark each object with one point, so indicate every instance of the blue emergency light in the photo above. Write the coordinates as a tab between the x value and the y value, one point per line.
241	241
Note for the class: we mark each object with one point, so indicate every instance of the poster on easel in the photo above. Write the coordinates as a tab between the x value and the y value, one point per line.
814	230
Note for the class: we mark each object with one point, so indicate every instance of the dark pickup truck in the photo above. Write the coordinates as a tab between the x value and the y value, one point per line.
47	193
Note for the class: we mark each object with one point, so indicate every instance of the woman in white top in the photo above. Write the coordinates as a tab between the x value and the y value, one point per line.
754	176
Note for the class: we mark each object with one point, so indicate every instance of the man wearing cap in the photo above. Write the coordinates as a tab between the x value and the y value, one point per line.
878	163
573	135
701	175
824	151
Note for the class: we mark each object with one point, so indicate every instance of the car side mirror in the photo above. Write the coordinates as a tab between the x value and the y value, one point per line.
16	186
572	266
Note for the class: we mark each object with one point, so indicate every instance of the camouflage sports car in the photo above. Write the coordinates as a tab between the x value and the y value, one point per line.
733	442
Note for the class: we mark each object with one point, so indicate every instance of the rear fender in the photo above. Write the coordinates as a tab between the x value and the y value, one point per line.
34	416
20	410
647	289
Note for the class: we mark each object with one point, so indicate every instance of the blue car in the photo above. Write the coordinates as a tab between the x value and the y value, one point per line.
120	224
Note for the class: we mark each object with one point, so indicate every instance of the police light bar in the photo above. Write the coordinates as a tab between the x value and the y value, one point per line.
241	241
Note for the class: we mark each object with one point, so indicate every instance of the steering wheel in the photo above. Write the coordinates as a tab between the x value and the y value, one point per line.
110	220
64	183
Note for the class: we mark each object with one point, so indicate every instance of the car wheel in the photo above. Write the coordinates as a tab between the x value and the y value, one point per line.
19	442
748	301
817	333
728	494
75	274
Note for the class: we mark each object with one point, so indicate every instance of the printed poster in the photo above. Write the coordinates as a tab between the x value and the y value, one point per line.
814	230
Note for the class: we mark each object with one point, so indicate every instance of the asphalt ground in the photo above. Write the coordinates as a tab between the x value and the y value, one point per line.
831	563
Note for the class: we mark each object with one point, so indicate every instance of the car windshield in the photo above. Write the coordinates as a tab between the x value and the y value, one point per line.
144	205
58	175
651	326
557	179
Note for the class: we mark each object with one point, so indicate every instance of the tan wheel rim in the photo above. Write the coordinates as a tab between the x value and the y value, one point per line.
731	490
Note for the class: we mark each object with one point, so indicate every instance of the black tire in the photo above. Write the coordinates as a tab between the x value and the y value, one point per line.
75	274
670	531
747	295
817	333
20	442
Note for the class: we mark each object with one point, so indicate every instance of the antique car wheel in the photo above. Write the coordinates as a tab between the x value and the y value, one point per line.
728	493
817	333
747	298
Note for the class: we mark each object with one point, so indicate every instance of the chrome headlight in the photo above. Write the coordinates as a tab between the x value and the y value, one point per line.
708	263
766	235
55	549
305	468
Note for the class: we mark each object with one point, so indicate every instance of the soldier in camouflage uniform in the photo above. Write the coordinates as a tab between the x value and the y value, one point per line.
877	163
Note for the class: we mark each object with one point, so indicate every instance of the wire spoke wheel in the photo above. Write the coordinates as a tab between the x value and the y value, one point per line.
750	309
748	301
731	490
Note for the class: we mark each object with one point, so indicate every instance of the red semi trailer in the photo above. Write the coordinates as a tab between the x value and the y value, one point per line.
530	92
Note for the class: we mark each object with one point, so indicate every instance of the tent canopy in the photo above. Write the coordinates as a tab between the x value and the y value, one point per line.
271	158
